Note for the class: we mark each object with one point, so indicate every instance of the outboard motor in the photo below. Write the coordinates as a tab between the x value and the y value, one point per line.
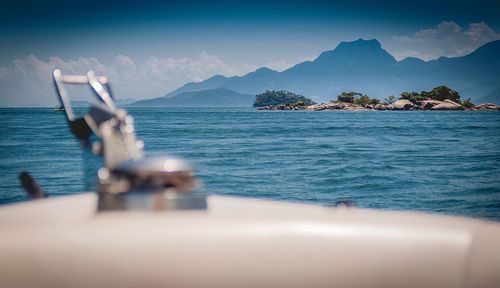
128	180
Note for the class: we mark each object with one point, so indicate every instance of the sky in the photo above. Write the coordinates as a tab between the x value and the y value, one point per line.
148	50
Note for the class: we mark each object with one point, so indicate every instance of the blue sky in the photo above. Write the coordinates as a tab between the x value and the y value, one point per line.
149	50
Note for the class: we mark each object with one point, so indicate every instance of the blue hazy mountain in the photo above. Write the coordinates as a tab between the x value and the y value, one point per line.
217	97
364	66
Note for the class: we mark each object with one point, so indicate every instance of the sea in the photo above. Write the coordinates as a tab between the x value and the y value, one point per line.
440	162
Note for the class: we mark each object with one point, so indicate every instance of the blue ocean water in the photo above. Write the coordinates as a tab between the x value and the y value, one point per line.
441	162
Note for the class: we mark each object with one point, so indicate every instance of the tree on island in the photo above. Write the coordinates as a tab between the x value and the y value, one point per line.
348	97
440	93
389	100
356	98
467	103
413	97
270	98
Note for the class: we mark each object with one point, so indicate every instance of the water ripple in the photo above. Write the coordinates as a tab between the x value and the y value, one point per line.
442	162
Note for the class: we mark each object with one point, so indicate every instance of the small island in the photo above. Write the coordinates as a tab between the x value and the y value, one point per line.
439	98
281	100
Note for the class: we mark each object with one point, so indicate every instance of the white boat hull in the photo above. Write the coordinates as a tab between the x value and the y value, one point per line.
238	242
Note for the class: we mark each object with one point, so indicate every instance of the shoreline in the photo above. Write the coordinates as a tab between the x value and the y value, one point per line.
399	105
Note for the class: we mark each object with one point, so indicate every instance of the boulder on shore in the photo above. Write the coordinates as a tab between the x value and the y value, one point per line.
327	106
293	106
402	105
339	106
487	106
381	107
448	105
429	103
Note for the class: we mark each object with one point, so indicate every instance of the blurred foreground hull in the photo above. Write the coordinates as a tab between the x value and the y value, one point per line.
62	242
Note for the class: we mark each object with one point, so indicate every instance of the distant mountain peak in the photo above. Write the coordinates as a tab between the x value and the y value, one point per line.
360	43
412	60
265	69
359	49
216	77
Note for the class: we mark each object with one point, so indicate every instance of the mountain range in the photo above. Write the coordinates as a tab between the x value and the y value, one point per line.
217	97
362	66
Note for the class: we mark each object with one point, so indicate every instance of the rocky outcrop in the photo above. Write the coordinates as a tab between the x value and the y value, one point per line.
382	107
293	106
487	106
428	104
403	105
330	106
447	105
336	106
327	106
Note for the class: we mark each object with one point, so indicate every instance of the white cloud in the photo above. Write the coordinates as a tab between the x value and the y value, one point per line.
175	71
154	77
124	67
33	66
153	68
447	39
